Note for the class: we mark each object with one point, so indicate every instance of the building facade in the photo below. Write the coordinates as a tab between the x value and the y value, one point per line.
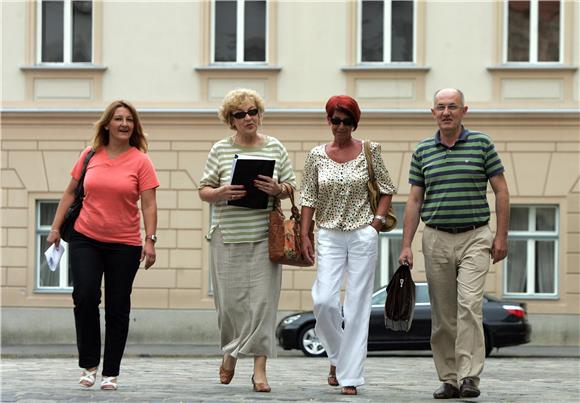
64	61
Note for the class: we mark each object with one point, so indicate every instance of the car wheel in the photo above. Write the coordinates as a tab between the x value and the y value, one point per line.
309	342
488	343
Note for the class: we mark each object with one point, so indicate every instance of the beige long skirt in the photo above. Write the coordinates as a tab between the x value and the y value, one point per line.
246	287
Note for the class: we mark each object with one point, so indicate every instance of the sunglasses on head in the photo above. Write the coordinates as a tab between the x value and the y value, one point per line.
241	115
345	121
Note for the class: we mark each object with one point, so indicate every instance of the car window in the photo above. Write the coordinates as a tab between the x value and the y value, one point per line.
380	297
421	294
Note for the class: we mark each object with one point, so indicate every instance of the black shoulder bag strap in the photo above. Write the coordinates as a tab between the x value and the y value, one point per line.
80	189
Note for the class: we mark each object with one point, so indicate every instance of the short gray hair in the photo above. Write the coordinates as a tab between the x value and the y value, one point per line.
461	97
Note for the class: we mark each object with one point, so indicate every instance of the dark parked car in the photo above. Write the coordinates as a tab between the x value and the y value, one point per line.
504	323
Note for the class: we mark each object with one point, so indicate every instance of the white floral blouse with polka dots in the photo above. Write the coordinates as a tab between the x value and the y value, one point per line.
338	191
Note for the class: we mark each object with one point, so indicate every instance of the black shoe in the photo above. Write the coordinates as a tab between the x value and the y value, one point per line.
446	391
469	388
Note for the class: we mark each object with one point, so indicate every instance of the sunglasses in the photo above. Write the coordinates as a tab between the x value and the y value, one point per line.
241	115
345	121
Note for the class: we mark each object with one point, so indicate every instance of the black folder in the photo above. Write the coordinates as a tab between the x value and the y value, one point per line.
245	169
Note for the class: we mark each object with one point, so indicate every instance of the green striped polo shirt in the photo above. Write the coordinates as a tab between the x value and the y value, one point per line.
455	178
239	224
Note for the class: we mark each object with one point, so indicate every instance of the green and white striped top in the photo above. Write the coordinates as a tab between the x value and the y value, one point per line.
455	178
239	224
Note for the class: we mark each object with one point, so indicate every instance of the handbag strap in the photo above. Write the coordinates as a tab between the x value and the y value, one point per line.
294	210
80	190
367	150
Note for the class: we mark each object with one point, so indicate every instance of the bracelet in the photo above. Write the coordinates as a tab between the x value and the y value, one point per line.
55	230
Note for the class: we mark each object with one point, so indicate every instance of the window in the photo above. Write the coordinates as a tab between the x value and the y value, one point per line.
387	31
531	265
65	31
390	244
239	31
46	280
534	31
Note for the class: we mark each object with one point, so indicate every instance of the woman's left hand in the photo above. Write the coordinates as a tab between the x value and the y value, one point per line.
376	224
268	185
148	254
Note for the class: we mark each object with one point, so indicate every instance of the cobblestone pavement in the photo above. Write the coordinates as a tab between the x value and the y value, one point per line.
293	378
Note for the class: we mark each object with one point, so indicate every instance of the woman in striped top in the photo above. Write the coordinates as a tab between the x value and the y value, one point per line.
246	283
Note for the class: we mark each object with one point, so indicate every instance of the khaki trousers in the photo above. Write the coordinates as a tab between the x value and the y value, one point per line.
456	266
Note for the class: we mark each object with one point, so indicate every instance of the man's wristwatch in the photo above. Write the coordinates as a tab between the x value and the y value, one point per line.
152	237
381	218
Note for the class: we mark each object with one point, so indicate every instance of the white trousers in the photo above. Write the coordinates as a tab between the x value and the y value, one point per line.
340	254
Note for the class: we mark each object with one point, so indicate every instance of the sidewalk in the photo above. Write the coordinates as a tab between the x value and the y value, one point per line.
190	374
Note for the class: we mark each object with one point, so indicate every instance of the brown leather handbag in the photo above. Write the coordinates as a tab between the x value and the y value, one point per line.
284	241
374	193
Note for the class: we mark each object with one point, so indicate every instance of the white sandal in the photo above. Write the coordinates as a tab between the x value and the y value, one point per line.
88	378
109	383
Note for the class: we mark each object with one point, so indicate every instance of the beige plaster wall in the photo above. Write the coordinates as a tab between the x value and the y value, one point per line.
14	44
150	49
312	50
39	149
150	52
460	40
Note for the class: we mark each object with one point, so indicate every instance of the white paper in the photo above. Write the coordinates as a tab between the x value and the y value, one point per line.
53	255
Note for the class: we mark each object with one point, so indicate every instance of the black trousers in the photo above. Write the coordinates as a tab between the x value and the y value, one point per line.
90	259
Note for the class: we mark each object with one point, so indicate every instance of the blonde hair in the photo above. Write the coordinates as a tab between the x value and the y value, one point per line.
101	138
234	99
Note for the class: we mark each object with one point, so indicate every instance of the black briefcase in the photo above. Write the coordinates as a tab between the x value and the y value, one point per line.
400	303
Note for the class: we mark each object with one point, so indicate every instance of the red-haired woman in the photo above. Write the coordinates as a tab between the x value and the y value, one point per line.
334	184
106	240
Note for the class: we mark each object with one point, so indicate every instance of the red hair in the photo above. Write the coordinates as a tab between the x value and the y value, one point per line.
343	103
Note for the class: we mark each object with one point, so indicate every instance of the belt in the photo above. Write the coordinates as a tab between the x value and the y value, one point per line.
457	230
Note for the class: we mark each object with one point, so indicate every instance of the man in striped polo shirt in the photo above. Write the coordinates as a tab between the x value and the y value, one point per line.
448	176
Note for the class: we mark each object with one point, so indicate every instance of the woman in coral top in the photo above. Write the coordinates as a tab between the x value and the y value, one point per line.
106	240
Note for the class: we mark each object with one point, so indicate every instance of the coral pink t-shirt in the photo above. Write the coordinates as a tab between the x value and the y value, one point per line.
112	190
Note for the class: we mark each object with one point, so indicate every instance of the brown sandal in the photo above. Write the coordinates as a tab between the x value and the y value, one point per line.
348	390
226	375
332	381
260	387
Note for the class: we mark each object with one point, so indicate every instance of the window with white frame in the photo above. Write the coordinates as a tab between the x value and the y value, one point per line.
387	31
531	267
47	280
239	31
65	31
390	244
534	31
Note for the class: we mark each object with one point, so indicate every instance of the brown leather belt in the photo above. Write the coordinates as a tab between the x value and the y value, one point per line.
457	230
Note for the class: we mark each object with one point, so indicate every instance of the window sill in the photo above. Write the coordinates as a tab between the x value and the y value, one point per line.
64	290
531	297
509	67
533	84
64	84
261	67
386	67
64	67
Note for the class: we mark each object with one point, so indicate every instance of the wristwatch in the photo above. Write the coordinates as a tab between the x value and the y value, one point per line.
381	218
152	237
